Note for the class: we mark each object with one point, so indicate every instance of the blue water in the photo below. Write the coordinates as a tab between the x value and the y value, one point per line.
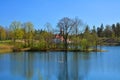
61	65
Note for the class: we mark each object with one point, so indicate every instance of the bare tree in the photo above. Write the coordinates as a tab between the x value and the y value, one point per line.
65	25
48	27
78	24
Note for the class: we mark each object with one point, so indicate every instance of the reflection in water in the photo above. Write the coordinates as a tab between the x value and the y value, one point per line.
48	66
22	64
60	66
78	66
63	67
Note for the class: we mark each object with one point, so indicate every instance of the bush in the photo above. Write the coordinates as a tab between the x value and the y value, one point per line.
84	44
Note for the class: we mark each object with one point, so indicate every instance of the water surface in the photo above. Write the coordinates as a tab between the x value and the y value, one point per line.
61	65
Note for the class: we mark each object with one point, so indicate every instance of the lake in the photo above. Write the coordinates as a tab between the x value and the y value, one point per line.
61	65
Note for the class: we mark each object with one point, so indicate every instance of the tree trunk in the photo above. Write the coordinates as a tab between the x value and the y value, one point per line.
65	43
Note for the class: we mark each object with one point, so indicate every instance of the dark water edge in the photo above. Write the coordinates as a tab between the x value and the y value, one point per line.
61	66
57	50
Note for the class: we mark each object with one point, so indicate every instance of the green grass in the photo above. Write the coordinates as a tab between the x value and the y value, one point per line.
5	41
5	47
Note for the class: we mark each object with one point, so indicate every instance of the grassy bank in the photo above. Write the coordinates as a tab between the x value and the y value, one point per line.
5	48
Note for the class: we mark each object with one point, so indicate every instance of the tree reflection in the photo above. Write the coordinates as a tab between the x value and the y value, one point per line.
22	64
28	66
78	66
63	67
50	66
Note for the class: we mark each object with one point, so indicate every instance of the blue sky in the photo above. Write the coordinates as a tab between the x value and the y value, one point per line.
39	12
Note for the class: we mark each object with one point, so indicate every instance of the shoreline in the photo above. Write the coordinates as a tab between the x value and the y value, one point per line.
10	48
59	50
47	50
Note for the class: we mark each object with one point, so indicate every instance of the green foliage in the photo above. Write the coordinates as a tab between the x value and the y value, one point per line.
29	33
117	30
91	38
88	37
20	34
100	31
108	31
16	31
42	44
75	42
19	45
84	44
2	33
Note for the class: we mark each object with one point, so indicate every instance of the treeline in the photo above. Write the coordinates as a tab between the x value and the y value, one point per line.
109	31
74	33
